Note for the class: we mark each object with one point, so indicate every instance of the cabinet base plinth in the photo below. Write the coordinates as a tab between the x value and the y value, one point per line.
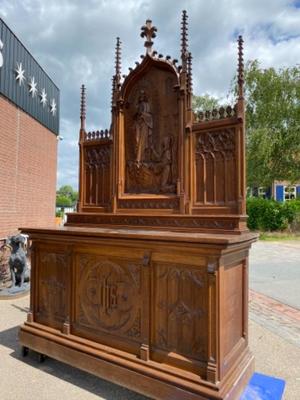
135	374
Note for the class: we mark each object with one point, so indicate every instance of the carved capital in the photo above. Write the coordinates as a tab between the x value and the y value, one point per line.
212	265
147	259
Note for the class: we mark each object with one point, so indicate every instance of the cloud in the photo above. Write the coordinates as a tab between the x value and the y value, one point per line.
74	41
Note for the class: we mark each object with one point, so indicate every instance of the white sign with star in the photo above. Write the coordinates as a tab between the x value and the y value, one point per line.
20	73
1	55
43	96
53	107
32	87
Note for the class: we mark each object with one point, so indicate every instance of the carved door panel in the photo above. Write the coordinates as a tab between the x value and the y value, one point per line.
180	321
108	296
52	268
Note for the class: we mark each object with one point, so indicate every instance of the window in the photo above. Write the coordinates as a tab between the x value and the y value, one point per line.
262	192
290	193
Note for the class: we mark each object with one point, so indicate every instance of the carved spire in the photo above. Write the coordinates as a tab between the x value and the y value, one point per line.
184	39
113	92
82	108
240	68
118	63
148	31
189	73
116	79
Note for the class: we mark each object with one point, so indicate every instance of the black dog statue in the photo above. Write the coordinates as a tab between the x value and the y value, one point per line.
17	261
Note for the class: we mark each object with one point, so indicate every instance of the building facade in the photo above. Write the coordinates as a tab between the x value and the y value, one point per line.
29	128
280	191
285	190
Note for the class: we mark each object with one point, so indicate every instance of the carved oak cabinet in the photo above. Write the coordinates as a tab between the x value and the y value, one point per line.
147	284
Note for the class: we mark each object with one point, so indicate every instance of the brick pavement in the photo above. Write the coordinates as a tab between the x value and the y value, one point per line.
275	316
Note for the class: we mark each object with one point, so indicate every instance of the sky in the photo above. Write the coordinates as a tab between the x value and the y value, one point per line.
74	42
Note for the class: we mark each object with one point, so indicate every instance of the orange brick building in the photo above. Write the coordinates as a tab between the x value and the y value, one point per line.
28	132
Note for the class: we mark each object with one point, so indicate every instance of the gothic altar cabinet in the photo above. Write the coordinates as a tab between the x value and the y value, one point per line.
146	285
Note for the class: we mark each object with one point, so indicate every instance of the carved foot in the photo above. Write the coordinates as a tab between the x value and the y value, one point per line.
25	351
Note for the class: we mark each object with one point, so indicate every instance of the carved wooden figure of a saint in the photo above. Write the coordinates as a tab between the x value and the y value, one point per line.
143	126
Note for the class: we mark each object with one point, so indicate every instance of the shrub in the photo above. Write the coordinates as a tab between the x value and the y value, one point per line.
271	215
59	213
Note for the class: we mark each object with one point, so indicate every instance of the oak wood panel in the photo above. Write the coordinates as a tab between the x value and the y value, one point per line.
52	270
180	315
108	293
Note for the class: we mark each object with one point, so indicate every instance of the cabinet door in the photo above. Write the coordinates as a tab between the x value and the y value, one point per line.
51	281
110	287
179	313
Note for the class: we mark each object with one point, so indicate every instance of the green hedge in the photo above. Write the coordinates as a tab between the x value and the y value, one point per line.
59	213
271	215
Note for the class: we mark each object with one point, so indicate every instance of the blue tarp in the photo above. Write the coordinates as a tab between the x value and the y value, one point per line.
263	387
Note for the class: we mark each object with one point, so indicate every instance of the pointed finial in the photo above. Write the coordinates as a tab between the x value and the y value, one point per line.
113	92
148	31
82	107
184	39
240	68
189	73
118	62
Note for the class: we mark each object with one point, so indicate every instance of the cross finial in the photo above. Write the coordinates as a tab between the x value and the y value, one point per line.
184	38
240	68
148	31
82	107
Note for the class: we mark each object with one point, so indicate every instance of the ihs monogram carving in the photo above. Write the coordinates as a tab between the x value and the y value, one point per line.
109	292
216	141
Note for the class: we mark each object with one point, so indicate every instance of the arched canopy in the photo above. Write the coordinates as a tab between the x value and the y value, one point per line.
137	74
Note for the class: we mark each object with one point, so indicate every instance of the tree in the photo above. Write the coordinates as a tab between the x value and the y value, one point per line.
272	124
204	103
66	196
63	201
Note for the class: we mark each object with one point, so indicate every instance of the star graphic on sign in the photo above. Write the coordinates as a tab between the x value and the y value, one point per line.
20	73
33	87
43	96
53	107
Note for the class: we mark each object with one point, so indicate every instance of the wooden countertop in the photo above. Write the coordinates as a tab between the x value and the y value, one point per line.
142	234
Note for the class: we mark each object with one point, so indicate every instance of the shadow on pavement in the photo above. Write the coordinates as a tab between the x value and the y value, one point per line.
23	309
84	380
